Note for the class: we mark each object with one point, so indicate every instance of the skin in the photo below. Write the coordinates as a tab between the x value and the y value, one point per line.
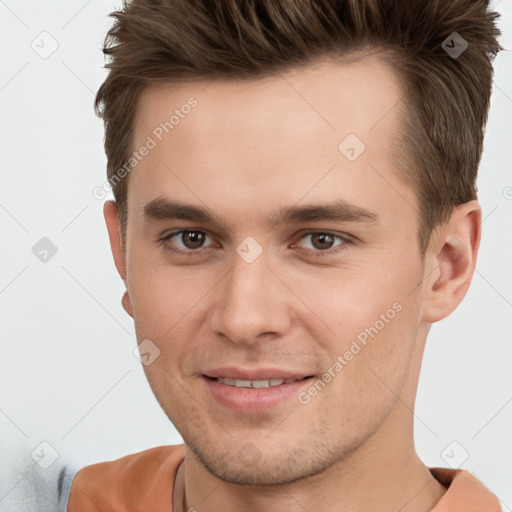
247	150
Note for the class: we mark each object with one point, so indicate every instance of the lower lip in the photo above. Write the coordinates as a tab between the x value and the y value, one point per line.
254	400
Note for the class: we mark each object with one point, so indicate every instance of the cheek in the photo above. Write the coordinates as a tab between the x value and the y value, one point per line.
358	300
372	315
166	305
162	295
366	364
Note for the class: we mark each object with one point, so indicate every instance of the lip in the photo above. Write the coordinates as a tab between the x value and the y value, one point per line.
254	400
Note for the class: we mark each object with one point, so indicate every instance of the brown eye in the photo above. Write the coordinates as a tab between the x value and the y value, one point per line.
322	241
192	239
186	241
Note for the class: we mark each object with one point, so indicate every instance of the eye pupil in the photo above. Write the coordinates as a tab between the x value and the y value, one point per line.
192	239
325	240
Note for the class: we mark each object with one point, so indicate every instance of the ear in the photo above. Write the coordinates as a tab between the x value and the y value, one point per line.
455	249
114	234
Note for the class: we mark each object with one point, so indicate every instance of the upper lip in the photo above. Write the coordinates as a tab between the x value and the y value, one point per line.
254	373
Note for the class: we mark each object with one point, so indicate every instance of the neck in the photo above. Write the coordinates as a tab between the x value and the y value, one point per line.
384	475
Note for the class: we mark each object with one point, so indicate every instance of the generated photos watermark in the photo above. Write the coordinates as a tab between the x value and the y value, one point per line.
152	141
361	341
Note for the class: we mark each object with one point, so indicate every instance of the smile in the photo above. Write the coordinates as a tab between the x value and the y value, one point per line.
264	390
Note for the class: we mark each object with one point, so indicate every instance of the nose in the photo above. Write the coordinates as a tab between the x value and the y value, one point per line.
251	301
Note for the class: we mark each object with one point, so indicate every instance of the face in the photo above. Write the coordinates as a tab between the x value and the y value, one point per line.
272	258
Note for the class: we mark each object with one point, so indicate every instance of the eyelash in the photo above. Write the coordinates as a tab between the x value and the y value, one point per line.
345	239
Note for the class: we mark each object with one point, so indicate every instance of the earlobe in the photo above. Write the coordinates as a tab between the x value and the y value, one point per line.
127	303
454	262
114	234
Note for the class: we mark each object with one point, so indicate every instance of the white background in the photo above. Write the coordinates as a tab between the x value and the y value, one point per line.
68	374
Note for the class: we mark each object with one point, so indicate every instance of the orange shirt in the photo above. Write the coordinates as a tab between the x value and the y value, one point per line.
140	483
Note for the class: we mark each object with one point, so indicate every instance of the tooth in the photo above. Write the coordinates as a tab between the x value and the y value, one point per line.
241	383
230	382
260	383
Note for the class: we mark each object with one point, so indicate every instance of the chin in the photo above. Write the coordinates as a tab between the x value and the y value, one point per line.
247	466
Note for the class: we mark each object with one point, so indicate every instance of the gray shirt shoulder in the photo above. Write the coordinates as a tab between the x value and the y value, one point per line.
38	490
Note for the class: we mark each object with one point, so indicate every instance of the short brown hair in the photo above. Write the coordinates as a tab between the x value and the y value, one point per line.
446	96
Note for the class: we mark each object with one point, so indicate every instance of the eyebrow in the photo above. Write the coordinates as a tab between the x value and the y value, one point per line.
340	211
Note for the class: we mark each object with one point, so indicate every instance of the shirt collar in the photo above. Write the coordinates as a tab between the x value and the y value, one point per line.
465	492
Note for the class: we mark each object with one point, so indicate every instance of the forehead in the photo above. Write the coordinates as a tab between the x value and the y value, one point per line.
329	96
323	130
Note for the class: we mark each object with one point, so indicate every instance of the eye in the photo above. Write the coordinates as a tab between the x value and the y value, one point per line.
323	241
187	241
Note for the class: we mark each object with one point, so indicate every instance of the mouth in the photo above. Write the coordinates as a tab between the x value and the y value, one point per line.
253	392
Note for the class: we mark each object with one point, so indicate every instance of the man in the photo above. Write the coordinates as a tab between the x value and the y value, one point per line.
295	206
